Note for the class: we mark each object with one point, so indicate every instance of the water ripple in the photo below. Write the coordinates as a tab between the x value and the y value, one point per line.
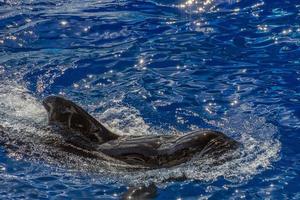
156	66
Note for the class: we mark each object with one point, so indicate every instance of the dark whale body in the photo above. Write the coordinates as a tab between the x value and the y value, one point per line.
84	134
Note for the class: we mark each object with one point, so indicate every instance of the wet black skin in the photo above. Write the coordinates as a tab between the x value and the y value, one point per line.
85	134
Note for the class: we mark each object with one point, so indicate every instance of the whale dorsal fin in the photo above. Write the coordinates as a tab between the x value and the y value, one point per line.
71	117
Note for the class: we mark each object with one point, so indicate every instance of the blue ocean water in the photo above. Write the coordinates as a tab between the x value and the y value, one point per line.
148	67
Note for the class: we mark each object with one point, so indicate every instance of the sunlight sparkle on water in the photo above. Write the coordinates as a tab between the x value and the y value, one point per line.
258	5
234	102
63	22
286	31
263	28
141	61
141	65
75	85
86	29
11	37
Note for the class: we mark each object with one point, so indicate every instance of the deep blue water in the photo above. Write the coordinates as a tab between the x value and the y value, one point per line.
147	67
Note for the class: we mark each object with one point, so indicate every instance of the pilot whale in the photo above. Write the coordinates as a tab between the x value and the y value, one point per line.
83	135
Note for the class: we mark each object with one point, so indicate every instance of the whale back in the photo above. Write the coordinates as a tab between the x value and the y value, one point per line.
155	151
71	118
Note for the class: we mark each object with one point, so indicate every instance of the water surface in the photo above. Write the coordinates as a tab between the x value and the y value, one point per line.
154	67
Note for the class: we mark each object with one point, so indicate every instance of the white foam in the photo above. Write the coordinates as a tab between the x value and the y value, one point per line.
125	121
19	109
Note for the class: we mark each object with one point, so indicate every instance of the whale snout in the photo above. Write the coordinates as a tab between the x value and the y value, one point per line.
57	107
51	102
48	102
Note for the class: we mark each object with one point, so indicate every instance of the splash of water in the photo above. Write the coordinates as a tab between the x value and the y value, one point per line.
24	118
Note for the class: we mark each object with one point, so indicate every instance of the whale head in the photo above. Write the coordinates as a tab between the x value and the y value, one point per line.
72	118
